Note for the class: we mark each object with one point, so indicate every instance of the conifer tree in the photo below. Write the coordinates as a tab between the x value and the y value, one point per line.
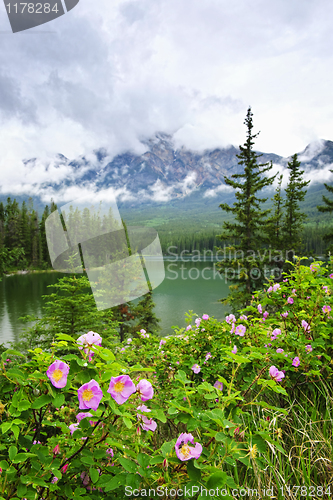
275	231
294	218
328	207
248	229
145	317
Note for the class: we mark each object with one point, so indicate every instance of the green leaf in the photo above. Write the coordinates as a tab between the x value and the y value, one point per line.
59	400
191	485
140	368
16	431
41	456
167	447
181	377
23	405
127	422
157	460
260	442
239	359
15	372
87	460
205	386
103	480
94	475
6	426
210	396
143	459
220	436
41	401
57	473
159	414
84	424
64	336
106	354
193	472
12	452
38	375
119	479
128	464
217	480
11	352
68	491
22	457
133	480
21	490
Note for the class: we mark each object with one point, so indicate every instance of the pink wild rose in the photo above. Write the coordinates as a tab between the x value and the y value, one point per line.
89	395
306	326
184	451
88	340
145	390
196	368
276	374
121	388
57	373
296	362
240	330
230	319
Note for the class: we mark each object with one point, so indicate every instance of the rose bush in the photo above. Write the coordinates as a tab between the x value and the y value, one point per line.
170	412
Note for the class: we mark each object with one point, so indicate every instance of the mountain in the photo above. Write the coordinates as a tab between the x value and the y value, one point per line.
168	183
164	173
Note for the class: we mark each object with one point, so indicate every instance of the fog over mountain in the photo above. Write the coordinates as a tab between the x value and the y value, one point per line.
161	174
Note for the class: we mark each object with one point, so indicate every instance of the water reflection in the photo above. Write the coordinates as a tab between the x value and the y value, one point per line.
187	285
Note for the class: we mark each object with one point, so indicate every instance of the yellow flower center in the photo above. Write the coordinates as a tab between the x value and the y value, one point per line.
119	386
185	450
87	394
253	451
57	375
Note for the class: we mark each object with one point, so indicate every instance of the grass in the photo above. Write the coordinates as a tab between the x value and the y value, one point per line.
305	433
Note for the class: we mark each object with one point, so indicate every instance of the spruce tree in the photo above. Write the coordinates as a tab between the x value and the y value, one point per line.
145	316
248	229
328	207
294	218
275	230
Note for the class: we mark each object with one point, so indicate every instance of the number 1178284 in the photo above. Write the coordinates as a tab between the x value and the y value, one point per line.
31	8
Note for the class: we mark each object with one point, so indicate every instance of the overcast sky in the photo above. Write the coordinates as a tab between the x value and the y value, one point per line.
116	71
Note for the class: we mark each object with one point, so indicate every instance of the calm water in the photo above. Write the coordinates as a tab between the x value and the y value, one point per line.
187	285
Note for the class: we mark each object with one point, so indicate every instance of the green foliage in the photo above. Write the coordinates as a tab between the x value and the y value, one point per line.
328	208
249	227
294	218
22	237
246	428
70	310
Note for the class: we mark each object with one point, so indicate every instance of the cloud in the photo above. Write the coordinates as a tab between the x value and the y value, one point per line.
211	193
113	74
314	149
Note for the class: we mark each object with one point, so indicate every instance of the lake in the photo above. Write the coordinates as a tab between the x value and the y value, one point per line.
187	285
